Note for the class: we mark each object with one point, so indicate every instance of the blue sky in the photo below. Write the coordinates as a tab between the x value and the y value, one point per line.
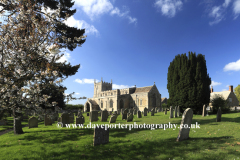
133	42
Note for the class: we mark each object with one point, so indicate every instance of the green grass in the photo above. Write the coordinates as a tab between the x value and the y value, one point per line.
214	140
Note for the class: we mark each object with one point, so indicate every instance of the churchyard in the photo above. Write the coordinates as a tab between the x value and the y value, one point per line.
213	140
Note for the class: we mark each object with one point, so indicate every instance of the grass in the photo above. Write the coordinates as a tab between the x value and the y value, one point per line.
214	140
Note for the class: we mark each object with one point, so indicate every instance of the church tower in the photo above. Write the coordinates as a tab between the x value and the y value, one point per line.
101	86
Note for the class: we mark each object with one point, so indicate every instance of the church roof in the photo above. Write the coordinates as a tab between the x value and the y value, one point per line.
143	89
162	99
224	94
93	102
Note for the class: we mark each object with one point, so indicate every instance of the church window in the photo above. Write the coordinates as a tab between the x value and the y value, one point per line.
101	104
140	102
111	103
111	93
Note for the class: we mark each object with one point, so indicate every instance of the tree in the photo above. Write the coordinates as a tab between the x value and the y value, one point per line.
27	42
218	101
188	82
237	93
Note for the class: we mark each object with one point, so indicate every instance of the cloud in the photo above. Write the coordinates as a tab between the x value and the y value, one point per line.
65	57
84	81
115	86
96	8
233	66
217	12
236	8
169	7
81	24
215	83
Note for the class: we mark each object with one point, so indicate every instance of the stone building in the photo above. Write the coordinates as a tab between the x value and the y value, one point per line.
106	98
164	100
230	95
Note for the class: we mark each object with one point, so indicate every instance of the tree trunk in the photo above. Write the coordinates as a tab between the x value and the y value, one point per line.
17	126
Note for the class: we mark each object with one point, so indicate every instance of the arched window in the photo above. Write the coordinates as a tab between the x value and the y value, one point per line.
101	104
111	103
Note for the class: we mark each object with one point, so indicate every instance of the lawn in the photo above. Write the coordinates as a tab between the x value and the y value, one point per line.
213	140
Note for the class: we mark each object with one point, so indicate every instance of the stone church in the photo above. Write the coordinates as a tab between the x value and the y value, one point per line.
106	98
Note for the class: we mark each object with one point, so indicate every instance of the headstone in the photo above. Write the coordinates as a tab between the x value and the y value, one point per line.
47	120
118	111
152	112
122	110
159	110
204	111
129	117
134	112
171	112
175	115
65	119
80	120
156	110
59	119
71	118
219	115
99	114
17	126
124	115
93	116
104	116
145	111
139	115
101	136
130	111
178	111
87	114
32	122
113	118
79	113
186	120
109	113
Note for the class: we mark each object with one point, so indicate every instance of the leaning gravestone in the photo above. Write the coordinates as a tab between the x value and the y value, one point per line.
219	115
113	118
71	118
165	111
47	120
80	120
171	112
204	111
104	116
186	121
152	112
139	115
145	111
93	116
32	122
124	115
175	115
65	119
101	136
129	117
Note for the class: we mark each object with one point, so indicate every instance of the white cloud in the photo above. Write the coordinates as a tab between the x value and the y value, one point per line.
65	57
226	3
115	86
234	66
117	12
169	7
81	24
77	93
215	83
132	20
236	8
84	81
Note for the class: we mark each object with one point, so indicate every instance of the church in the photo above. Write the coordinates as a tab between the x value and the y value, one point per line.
112	100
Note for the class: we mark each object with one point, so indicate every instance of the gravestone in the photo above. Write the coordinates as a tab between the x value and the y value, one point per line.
93	116
171	112
47	120
186	120
204	111
124	115
65	119
109	113
17	126
100	114
134	112
113	118
55	115
175	115
79	113
118	111
80	120
32	122
178	111
71	118
156	110
145	111
130	111
59	119
219	115
139	115
122	110
101	136
87	114
104	116
129	117
159	110
152	112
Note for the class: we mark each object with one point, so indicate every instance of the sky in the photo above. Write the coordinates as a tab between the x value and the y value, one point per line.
133	42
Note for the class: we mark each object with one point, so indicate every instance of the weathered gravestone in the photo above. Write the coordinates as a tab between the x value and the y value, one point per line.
139	115
65	119
17	126
204	111
165	111
171	112
219	115
185	125
118	111
178	111
100	114
130	111
155	110
129	117
124	115
109	113
175	115
152	112
93	116
134	112
80	120
71	118
122	110
104	116
159	110
113	118
145	111
101	136
32	122
47	120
